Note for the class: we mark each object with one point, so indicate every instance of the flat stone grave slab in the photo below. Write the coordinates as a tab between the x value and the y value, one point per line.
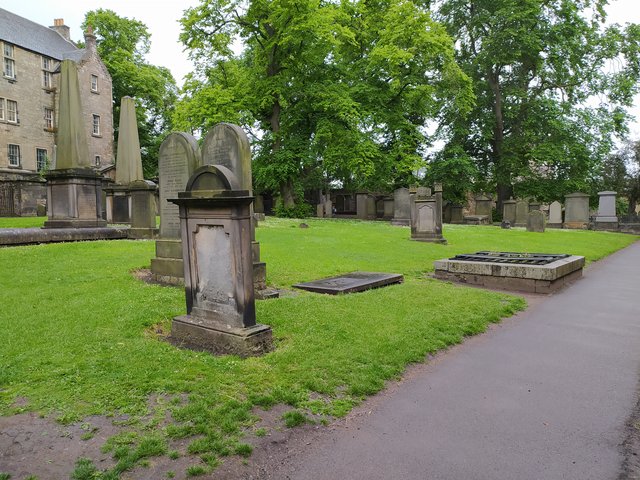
527	272
351	282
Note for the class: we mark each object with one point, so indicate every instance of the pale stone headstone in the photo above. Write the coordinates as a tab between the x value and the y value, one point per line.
607	210
509	211
535	221
178	158
328	208
320	210
361	205
522	211
227	145
401	207
555	215
576	210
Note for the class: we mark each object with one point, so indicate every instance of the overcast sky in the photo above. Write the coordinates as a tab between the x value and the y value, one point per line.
161	16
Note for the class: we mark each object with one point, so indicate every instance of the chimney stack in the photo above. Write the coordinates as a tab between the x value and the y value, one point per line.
89	39
61	28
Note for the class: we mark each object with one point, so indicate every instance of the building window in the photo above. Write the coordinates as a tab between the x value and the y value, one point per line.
12	111
47	79
9	61
42	159
94	83
14	155
96	125
48	118
46	63
97	160
1	108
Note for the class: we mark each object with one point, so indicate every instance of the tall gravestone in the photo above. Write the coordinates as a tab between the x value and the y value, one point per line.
178	158
483	205
426	216
522	213
535	221
387	213
401	207
576	210
216	218
555	215
227	145
509	211
361	205
457	216
606	218
74	189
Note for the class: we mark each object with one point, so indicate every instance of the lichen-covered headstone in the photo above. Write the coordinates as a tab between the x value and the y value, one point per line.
535	221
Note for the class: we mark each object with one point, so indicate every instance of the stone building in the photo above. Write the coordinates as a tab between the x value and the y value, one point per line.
30	56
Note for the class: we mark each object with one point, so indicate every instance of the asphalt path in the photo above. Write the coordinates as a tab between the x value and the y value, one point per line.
544	396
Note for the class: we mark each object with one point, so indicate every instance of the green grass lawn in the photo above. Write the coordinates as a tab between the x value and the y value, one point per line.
22	222
79	331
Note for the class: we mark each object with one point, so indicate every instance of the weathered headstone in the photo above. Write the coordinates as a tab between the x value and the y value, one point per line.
509	211
483	205
606	218
534	206
401	207
258	208
522	211
143	209
555	215
426	216
328	207
216	230
387	213
320	210
74	189
361	205
371	207
178	158
576	210
535	221
457	214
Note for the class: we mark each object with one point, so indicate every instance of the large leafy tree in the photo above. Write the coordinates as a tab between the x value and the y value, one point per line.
552	84
123	44
332	91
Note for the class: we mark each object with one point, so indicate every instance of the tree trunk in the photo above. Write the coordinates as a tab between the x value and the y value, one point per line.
501	171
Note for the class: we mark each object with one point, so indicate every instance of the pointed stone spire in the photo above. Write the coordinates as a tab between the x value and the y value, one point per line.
71	141
128	161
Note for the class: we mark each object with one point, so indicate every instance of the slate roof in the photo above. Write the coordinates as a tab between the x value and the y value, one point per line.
37	38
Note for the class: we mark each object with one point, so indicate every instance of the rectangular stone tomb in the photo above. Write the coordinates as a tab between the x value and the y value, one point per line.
351	282
525	272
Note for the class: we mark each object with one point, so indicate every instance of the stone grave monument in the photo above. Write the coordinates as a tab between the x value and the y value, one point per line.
482	215
387	211
535	221
576	210
457	216
522	213
426	216
227	145
216	224
178	158
74	189
606	218
401	208
555	215
258	208
534	206
509	211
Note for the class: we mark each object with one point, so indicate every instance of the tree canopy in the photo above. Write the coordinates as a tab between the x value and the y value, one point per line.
552	84
332	91
123	44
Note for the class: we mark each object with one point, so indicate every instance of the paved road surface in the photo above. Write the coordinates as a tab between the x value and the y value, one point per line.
545	396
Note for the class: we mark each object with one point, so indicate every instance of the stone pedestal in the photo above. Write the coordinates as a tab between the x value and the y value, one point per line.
401	208
218	268
143	209
576	210
509	211
118	204
74	199
606	218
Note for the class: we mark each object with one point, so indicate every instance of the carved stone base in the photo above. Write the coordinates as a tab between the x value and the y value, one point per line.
244	342
425	237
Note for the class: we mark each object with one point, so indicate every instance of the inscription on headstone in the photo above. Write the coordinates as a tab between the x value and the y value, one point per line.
178	158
